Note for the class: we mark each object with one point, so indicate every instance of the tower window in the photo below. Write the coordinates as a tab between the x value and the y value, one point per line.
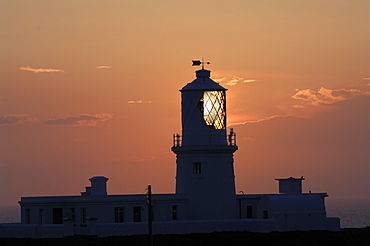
197	167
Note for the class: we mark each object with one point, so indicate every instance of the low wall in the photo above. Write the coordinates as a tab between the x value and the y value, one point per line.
31	231
332	224
184	227
132	228
92	228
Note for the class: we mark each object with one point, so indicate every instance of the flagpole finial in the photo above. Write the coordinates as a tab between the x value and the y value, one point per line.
198	63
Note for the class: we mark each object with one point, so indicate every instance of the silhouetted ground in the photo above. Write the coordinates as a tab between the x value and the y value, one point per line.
358	237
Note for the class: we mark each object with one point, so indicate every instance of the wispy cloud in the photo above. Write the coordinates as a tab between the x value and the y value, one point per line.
138	102
79	120
325	96
41	70
233	80
144	158
16	119
366	78
76	120
311	102
103	67
254	119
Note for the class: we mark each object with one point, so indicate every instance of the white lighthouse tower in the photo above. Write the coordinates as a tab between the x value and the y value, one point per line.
205	173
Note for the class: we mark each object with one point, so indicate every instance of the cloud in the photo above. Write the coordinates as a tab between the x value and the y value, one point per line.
253	119
233	80
138	102
311	103
330	144
16	119
80	120
366	78
103	67
325	96
41	70
145	158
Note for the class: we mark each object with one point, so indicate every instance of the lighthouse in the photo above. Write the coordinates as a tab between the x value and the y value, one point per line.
204	151
205	200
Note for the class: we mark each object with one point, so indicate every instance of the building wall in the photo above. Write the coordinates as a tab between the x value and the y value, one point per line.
285	213
106	209
247	206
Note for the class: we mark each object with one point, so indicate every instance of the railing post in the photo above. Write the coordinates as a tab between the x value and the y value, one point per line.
232	137
176	140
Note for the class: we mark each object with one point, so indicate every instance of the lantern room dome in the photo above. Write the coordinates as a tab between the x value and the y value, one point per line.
203	82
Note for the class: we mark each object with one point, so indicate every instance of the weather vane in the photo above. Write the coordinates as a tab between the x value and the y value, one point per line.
198	63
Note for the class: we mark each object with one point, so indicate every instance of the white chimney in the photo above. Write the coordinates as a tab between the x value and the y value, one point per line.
98	186
291	186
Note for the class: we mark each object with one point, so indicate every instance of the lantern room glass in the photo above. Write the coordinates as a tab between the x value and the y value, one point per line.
214	106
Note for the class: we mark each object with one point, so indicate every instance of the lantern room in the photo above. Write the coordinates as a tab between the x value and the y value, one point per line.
203	109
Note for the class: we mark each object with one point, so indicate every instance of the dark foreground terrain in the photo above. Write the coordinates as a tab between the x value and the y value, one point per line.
356	237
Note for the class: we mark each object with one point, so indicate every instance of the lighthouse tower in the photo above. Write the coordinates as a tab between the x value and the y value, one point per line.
204	151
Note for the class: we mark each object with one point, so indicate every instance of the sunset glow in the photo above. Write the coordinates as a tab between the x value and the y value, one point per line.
91	88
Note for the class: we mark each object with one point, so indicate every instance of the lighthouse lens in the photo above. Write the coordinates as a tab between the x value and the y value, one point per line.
214	109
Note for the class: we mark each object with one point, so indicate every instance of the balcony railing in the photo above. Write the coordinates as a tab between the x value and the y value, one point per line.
231	139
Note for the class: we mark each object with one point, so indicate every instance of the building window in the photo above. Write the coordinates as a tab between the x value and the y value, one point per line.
41	213
197	167
28	216
83	215
57	215
72	213
249	212
174	212
118	215
265	215
137	214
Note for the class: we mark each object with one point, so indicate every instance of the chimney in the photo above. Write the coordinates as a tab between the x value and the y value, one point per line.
98	186
290	186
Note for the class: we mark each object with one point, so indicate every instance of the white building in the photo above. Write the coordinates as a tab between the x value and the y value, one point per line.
205	198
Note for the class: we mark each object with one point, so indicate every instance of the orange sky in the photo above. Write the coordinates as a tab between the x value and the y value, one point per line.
91	88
